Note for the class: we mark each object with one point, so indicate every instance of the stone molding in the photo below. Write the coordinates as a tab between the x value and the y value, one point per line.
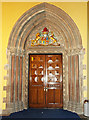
33	19
69	105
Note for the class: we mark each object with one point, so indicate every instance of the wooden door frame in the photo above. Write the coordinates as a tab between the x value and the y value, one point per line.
29	70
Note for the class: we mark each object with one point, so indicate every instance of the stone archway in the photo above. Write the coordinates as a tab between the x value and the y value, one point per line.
32	21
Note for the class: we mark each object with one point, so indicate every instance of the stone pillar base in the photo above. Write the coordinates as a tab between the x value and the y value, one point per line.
79	108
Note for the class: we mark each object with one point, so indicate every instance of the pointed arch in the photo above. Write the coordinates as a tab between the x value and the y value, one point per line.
36	16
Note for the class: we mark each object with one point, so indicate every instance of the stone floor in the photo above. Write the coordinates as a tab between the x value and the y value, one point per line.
84	117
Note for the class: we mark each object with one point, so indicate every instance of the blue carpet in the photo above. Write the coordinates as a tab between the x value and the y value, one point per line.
44	114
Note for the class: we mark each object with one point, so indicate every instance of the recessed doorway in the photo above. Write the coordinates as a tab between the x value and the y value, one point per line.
45	81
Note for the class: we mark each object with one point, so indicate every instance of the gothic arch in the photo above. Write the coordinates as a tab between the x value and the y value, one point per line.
43	12
32	21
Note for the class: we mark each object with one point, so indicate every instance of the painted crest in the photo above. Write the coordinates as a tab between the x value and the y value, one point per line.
45	38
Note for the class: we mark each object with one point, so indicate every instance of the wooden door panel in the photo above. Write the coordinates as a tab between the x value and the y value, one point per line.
50	92
37	79
57	96
33	96
45	84
54	80
41	96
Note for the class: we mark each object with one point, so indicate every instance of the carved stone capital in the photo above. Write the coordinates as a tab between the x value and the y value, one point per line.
75	51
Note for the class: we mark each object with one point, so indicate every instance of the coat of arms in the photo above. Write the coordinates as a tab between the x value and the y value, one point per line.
45	38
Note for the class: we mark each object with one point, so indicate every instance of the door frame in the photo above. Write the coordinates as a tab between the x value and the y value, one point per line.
29	70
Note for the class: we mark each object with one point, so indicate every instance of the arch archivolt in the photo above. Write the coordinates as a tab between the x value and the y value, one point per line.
64	28
33	20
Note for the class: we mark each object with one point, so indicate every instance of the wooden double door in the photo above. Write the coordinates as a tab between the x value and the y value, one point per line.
45	81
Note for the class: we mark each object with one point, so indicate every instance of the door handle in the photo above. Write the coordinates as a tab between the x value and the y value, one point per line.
45	89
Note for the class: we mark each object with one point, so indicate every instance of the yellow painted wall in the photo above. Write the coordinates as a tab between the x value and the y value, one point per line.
12	11
0	54
88	49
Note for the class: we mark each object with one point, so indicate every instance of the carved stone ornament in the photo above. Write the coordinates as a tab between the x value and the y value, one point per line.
45	38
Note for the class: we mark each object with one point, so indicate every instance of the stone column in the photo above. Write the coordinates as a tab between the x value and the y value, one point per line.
65	81
7	67
26	81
